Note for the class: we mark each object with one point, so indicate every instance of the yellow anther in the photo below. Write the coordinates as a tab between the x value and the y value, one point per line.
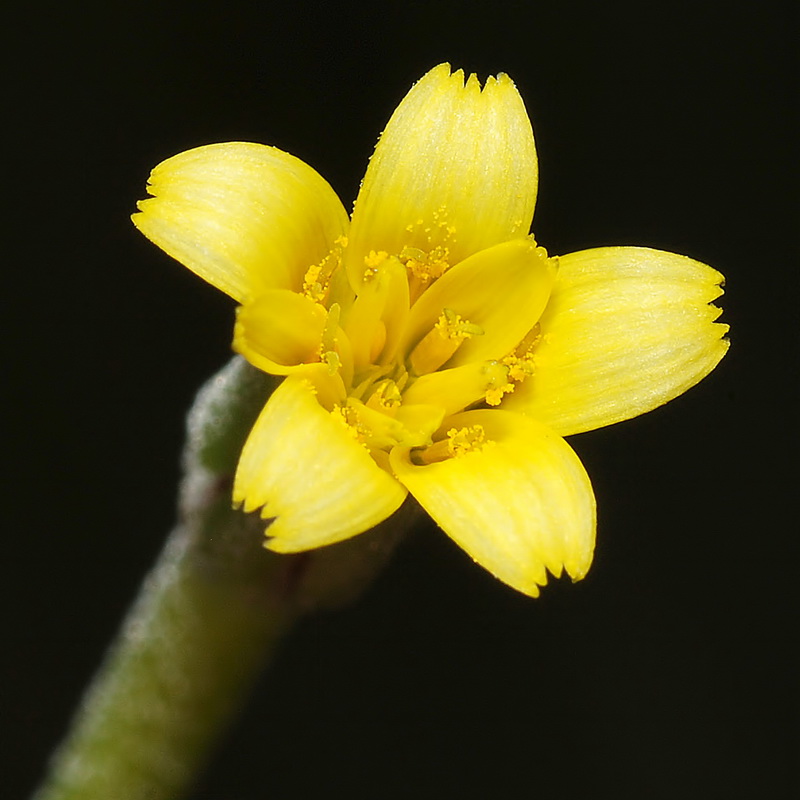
428	257
519	368
311	282
373	261
317	279
441	342
347	416
496	394
453	326
461	441
521	362
376	428
497	384
426	266
371	429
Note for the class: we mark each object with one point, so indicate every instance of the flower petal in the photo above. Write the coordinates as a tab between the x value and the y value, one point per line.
519	504
378	316
502	290
626	330
453	390
455	168
279	330
303	466
245	217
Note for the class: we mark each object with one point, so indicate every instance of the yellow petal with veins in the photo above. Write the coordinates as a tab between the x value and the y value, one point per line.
245	217
512	493
502	291
626	330
455	169
305	468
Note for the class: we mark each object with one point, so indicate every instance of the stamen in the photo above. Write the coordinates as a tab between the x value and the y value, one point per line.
317	279
424	267
427	266
459	442
372	262
466	440
495	395
386	397
442	341
312	286
522	362
327	347
348	417
373	430
529	341
454	326
428	255
520	368
376	428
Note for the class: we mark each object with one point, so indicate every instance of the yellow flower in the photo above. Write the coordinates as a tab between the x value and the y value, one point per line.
429	344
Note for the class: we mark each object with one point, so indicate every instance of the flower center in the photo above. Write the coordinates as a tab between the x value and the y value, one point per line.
399	396
396	365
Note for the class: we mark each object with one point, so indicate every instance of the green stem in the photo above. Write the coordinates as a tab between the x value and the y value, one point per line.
207	620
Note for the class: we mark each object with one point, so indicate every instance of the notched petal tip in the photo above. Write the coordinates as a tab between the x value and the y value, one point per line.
262	514
303	467
509	492
626	330
444	72
454	172
245	217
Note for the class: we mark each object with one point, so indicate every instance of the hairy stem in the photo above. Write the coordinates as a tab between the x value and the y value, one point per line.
208	618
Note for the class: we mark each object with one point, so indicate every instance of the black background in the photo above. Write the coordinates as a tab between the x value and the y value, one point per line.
669	671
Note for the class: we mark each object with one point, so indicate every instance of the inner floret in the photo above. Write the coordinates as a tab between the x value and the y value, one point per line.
403	386
415	341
